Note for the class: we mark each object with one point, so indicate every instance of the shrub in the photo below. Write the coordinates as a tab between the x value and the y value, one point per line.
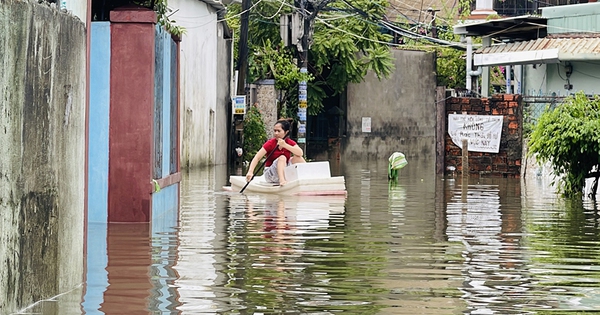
569	138
255	133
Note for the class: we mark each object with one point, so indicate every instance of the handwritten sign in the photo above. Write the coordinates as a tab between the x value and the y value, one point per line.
482	131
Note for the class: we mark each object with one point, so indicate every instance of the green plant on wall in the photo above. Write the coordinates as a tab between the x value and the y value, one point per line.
101	12
163	13
569	138
255	133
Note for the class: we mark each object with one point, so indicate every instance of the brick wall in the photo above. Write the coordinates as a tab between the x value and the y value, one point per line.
505	163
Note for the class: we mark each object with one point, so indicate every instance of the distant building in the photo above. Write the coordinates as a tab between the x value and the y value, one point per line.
554	55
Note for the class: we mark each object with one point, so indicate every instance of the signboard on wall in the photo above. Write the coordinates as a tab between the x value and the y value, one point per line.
366	124
482	131
239	105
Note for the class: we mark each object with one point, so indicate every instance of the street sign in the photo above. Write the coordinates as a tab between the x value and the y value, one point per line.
239	105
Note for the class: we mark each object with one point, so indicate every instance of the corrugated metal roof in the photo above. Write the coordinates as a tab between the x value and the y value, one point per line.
569	48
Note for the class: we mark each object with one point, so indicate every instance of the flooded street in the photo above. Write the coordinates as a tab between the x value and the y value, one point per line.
421	246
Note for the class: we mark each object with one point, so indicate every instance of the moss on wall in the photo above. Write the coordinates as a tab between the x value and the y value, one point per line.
42	146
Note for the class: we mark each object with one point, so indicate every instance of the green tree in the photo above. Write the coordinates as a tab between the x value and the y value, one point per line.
450	62
569	138
347	42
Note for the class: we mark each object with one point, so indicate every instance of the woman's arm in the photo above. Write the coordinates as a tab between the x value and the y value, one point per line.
296	150
259	155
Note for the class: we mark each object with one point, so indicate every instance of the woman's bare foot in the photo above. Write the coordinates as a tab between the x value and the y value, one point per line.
282	182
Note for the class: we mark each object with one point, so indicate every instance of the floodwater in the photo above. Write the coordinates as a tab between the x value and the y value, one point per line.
425	245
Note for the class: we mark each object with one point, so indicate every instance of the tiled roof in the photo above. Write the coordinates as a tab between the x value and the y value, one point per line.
570	47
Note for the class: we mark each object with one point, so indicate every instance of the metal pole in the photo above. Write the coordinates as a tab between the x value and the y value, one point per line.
302	87
243	49
465	159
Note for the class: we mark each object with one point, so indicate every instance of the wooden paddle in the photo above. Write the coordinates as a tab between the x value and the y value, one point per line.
261	166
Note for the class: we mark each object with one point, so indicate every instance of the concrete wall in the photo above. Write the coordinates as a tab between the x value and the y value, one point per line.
204	66
42	152
264	95
402	109
131	95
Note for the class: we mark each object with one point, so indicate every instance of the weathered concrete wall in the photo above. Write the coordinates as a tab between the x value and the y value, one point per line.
505	163
42	146
264	96
402	110
202	86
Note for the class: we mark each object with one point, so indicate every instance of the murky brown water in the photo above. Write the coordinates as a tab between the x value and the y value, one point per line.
422	246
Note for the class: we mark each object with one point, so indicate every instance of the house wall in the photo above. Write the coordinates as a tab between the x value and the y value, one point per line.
402	109
584	78
76	7
224	106
42	152
534	80
547	79
203	86
574	18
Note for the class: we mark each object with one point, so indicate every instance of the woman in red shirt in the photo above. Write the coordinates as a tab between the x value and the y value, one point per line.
282	148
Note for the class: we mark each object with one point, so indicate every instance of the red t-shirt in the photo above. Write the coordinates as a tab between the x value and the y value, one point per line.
270	145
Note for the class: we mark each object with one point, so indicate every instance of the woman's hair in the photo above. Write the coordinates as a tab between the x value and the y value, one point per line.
285	123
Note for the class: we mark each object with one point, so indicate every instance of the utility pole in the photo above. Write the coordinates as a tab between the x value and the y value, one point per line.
307	20
303	85
433	22
242	66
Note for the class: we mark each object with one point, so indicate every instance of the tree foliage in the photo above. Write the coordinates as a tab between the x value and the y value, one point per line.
451	63
346	43
255	133
275	62
569	138
101	12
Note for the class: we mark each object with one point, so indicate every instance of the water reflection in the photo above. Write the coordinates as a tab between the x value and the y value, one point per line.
285	253
494	279
129	258
424	245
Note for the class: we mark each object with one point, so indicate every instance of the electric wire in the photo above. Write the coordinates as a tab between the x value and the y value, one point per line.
240	14
396	29
276	13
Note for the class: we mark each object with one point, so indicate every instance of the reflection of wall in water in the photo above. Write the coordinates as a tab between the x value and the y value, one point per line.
486	219
203	228
128	266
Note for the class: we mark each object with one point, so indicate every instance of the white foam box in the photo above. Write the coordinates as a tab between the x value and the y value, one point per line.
310	170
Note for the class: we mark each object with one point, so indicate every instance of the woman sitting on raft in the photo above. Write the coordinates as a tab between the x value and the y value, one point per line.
282	149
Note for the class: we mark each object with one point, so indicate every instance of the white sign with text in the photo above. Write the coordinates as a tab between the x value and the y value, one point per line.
366	124
482	131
